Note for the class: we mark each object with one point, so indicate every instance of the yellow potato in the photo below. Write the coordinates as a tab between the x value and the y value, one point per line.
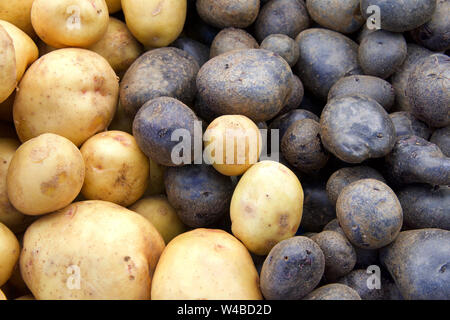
114	5
18	12
9	253
90	250
232	144
156	185
8	70
155	23
161	214
71	92
70	23
26	297
2	295
205	264
118	46
266	206
45	174
116	169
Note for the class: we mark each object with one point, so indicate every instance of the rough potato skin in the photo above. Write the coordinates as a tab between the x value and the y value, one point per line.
419	260
356	128
295	98
292	269
325	57
415	160
441	138
155	123
196	49
230	39
284	121
406	124
400	16
334	291
425	206
357	280
228	13
289	17
369	213
255	83
428	90
199	194
283	45
376	88
161	72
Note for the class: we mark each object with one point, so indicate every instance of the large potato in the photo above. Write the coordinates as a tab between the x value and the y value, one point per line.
266	206
116	169
228	13
230	39
70	92
155	23
9	253
45	174
109	251
18	12
8	73
70	23
199	265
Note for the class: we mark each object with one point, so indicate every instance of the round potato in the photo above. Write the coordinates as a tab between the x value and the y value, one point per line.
8	68
70	23
441	138
283	45
406	124
116	169
76	106
266	206
230	39
155	23
9	253
199	265
228	13
91	250
18	12
26	297
284	121
113	6
334	291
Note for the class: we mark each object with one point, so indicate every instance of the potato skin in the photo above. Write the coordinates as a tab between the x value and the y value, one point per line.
292	269
262	213
183	274
418	261
255	83
370	213
334	291
441	138
406	124
196	49
9	253
18	12
169	72
284	121
8	69
2	295
44	262
283	45
295	98
113	6
75	107
230	39
357	280
228	13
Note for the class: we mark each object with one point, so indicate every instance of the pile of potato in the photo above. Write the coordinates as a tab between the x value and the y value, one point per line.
94	205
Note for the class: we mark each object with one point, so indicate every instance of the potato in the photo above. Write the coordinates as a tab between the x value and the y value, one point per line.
428	90
118	46
76	106
369	213
156	180
199	265
8	68
284	121
254	83
196	49
122	121
113	6
116	169
292	269
18	12
233	144
357	280
283	45
2	295
45	174
228	13
26	297
334	291
90	250
161	214
441	138
295	98
342	16
230	39
161	72
418	261
378	89
200	195
406	124
325	57
381	53
266	206
288	17
9	253
155	23
70	23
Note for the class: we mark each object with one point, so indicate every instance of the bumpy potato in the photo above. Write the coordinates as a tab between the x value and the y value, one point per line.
228	13
441	138
76	106
406	124
283	122
334	291
184	273
113	5
230	39
18	12
107	268
45	174
357	280
283	45
266	206
8	69
196	49
9	253
70	23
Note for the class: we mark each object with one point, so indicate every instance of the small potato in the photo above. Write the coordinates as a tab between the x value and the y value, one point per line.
358	279
2	295
156	179
230	39
334	291
196	49
295	98
113	6
155	23
45	174
441	138
118	46
26	297
283	122
116	169
76	106
232	144
70	23
199	264
266	206
18	12
9	253
228	13
283	45
8	68
406	124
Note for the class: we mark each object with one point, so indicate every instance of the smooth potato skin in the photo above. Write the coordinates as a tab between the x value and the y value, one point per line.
156	179
184	273
441	138
81	235
334	291
408	125
196	49
8	69
230	39
2	295
113	5
9	253
18	12
228	13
